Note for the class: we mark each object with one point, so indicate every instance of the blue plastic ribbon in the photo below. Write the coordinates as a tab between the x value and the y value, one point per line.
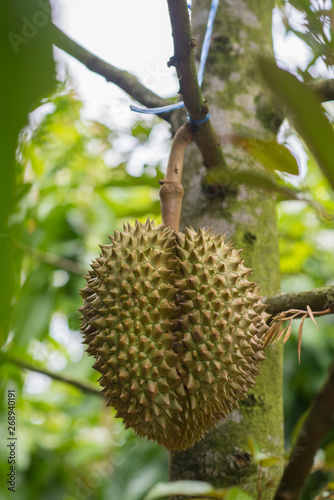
198	122
207	40
157	111
204	56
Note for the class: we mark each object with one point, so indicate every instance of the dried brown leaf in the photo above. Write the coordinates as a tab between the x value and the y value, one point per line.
271	334
269	339
282	333
309	310
274	333
300	333
288	332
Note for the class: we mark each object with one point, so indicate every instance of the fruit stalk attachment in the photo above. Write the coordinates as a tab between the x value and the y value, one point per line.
171	191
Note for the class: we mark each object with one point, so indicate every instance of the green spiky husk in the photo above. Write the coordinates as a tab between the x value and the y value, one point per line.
176	329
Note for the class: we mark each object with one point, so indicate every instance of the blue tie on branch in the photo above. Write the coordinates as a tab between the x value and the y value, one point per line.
204	56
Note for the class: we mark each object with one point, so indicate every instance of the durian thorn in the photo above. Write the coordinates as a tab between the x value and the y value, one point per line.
148	224
117	235
190	233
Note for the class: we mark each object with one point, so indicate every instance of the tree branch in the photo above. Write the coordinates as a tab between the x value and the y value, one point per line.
319	421
60	262
318	300
89	389
324	88
184	62
272	117
124	80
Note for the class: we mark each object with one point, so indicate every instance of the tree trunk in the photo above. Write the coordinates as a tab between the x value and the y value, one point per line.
247	215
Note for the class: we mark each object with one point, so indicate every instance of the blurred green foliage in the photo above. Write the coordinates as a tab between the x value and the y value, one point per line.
312	22
195	490
70	201
301	103
307	241
25	51
73	188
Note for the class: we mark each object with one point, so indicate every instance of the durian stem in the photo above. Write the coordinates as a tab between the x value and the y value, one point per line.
171	191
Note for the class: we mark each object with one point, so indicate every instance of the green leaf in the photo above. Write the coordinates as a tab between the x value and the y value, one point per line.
266	460
189	488
272	155
36	313
237	494
222	177
302	5
21	191
32	311
141	131
304	110
263	459
298	427
121	178
253	446
329	453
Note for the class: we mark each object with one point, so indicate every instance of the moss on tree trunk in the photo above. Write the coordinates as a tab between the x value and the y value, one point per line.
247	215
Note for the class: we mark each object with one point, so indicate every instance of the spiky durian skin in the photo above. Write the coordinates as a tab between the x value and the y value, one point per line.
176	329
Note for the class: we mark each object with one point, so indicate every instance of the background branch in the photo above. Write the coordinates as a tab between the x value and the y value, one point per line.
124	80
184	62
89	389
272	117
47	258
318	300
319	421
324	88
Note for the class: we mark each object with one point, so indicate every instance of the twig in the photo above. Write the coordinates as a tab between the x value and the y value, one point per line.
184	59
171	191
319	421
220	178
60	262
323	299
275	331
324	88
318	300
124	80
184	62
61	378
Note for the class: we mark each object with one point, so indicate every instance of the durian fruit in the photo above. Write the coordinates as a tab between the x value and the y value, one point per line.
176	328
